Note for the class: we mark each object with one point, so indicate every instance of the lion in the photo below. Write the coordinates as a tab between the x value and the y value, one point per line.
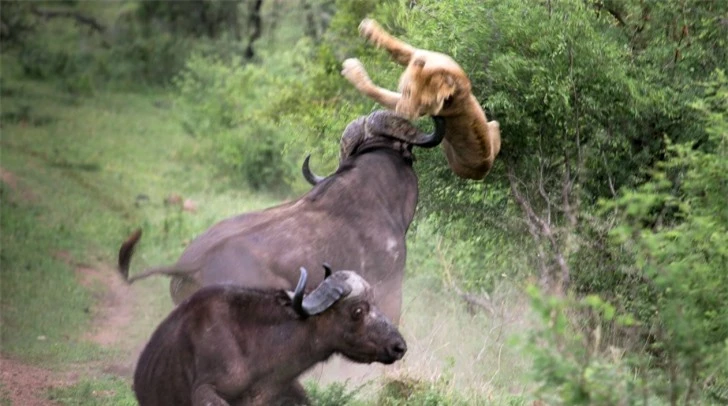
433	84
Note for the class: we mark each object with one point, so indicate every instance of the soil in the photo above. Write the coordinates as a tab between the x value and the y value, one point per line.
11	180
26	385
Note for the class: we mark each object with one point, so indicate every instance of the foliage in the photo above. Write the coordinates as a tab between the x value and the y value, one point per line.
675	227
574	361
335	394
134	44
193	18
216	101
674	230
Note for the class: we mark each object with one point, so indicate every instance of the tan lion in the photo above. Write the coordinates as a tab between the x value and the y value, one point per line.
433	84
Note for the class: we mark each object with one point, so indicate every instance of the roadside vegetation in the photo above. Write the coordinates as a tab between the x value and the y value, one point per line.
589	267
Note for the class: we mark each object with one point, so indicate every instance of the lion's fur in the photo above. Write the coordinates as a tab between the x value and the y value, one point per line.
433	84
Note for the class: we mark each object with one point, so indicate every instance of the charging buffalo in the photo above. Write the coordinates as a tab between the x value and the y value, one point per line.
356	218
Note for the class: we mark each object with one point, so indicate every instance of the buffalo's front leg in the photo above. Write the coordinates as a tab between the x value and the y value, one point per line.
399	50
205	395
355	73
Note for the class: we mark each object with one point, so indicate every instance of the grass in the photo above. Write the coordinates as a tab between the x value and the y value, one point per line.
89	170
84	177
103	391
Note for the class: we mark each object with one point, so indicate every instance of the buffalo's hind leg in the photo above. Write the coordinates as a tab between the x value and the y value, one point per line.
205	395
374	33
354	72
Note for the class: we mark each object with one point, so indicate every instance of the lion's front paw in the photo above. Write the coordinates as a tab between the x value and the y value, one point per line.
371	30
355	73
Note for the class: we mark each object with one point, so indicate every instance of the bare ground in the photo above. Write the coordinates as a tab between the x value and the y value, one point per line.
26	385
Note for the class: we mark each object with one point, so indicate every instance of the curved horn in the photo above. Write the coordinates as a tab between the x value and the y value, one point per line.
298	294
389	124
434	138
325	295
310	177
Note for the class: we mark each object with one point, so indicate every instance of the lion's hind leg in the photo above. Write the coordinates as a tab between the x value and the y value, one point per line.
399	50
354	72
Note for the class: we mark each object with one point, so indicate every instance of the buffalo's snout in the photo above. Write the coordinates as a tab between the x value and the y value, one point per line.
395	349
398	349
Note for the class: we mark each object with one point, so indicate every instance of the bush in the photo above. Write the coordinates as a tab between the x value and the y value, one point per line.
670	342
133	48
335	394
241	109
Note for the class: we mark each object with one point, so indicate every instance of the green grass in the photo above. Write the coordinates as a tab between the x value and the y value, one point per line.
90	170
4	396
104	391
80	173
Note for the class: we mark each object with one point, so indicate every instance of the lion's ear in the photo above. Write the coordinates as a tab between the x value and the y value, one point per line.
446	87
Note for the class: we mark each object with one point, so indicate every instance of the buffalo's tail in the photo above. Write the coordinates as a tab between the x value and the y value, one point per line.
127	250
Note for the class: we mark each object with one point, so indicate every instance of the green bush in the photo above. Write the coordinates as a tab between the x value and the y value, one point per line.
670	341
132	50
675	229
575	360
335	394
241	109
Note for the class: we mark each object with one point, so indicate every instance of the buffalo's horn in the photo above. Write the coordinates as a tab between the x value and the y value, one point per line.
327	270
435	137
326	294
389	124
298	294
312	178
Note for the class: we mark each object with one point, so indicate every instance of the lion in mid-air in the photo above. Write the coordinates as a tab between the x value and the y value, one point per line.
433	84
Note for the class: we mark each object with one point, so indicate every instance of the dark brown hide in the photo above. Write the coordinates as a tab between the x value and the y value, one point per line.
248	347
354	219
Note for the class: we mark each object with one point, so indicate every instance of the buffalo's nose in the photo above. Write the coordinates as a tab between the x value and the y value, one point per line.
397	349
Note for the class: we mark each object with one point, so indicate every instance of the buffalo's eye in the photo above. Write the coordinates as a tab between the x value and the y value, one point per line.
357	313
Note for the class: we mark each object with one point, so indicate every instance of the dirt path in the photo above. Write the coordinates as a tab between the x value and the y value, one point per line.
26	385
112	312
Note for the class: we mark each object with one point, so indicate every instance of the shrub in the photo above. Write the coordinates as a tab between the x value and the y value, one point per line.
335	394
241	109
670	342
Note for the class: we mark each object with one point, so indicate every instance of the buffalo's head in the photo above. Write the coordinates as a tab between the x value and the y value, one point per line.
347	315
382	128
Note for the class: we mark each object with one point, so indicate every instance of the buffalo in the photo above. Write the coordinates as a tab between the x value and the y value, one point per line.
356	218
229	344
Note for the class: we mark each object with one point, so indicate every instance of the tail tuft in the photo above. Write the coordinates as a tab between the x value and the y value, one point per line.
126	251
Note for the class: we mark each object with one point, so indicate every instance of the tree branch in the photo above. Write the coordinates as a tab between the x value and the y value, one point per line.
540	228
472	300
80	18
617	16
257	29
